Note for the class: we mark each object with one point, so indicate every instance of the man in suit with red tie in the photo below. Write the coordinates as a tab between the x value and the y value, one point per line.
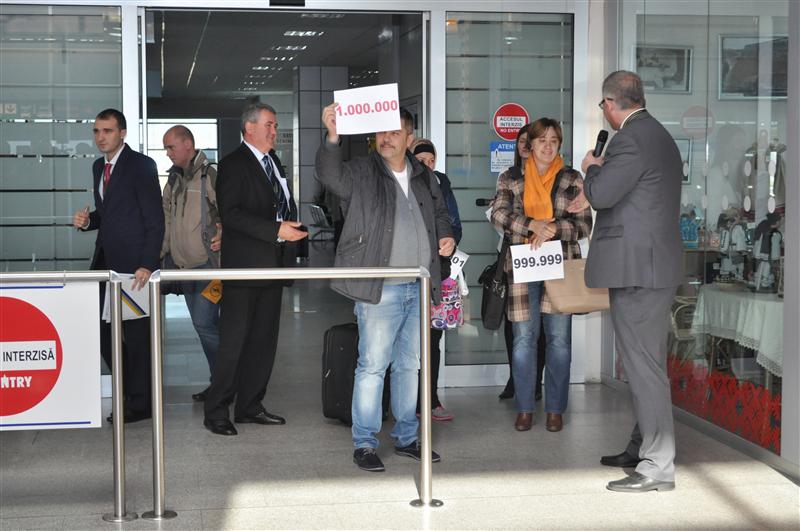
257	210
129	221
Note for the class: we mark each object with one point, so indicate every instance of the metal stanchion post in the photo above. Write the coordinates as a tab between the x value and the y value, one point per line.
117	407
426	461
158	512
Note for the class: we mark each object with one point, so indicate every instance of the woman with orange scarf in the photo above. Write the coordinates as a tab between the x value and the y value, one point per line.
532	208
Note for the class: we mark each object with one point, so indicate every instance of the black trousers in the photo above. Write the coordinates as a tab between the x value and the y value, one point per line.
249	323
436	356
136	361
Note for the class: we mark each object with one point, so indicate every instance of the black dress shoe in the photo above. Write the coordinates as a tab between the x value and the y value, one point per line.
624	460
131	416
262	418
220	427
508	392
639	483
201	396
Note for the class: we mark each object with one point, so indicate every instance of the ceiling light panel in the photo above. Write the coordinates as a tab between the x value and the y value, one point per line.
289	48
302	33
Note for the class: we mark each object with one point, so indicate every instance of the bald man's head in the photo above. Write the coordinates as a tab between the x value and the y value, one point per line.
179	143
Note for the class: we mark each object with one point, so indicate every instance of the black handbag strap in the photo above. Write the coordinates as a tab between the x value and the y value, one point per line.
501	260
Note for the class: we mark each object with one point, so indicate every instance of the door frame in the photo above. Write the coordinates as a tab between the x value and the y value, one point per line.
434	97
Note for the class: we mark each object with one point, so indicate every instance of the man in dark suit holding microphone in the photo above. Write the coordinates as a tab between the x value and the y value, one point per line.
259	215
636	252
129	222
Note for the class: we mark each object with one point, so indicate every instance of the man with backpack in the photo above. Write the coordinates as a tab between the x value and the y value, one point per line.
193	234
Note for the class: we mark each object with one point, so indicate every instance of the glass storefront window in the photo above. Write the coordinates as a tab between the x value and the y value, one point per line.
59	66
495	59
717	79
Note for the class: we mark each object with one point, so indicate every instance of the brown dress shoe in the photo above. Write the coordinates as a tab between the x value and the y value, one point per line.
554	422
524	421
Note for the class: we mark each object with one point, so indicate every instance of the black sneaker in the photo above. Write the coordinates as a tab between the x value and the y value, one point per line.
367	459
413	450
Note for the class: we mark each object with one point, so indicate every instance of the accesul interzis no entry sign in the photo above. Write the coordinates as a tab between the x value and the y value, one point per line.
49	356
508	119
30	357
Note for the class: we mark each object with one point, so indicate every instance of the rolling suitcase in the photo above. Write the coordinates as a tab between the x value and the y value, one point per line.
339	359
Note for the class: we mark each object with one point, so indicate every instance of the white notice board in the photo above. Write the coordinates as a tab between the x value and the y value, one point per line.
49	356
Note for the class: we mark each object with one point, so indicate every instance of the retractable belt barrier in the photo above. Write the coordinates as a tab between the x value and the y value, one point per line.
159	511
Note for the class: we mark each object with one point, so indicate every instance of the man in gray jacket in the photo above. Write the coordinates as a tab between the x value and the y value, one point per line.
636	252
395	216
193	233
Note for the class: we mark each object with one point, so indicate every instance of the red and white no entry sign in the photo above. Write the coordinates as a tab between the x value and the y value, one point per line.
30	356
508	119
697	122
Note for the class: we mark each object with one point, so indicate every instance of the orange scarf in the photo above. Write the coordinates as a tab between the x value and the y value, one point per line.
536	196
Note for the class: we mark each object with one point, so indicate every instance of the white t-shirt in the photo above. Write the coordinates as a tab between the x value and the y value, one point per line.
402	179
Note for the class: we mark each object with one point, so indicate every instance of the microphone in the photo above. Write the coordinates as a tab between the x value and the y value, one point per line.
483	202
602	138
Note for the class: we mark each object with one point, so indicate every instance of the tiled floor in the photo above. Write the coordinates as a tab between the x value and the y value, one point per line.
300	476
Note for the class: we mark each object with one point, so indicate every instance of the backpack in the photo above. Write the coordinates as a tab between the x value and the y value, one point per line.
173	177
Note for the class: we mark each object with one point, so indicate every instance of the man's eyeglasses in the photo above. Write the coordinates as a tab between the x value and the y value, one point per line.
603	101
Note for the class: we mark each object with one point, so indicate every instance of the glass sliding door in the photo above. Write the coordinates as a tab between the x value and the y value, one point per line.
492	60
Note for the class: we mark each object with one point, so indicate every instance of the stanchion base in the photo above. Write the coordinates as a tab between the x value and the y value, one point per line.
127	517
151	515
420	503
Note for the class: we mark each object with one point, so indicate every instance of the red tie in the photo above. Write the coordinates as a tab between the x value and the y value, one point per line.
106	176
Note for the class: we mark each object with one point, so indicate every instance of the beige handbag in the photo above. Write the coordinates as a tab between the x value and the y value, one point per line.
570	294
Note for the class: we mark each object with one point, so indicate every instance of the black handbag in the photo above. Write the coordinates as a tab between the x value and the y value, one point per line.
495	290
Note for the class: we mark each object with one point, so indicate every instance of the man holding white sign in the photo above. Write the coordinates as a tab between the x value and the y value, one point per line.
531	206
395	217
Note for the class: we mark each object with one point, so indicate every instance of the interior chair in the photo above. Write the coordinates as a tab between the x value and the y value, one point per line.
324	230
682	339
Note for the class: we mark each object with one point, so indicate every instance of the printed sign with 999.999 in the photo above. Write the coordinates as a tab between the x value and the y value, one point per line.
544	263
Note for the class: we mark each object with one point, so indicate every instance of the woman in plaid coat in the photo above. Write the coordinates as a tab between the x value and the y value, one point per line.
531	206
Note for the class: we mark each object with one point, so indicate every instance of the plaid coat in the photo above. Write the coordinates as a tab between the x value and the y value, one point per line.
508	214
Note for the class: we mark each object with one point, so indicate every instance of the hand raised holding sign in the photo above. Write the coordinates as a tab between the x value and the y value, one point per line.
329	121
367	109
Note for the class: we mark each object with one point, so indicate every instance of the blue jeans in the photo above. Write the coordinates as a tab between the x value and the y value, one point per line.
388	333
558	356
205	316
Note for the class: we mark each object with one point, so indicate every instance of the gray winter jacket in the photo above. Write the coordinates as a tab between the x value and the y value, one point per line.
367	190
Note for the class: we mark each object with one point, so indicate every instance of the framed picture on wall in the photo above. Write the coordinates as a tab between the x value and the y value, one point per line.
739	77
685	147
664	69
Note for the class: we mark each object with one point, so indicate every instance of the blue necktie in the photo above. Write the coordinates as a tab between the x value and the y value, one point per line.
277	189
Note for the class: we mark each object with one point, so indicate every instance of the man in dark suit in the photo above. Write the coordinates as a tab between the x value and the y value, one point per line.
130	224
258	213
636	252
